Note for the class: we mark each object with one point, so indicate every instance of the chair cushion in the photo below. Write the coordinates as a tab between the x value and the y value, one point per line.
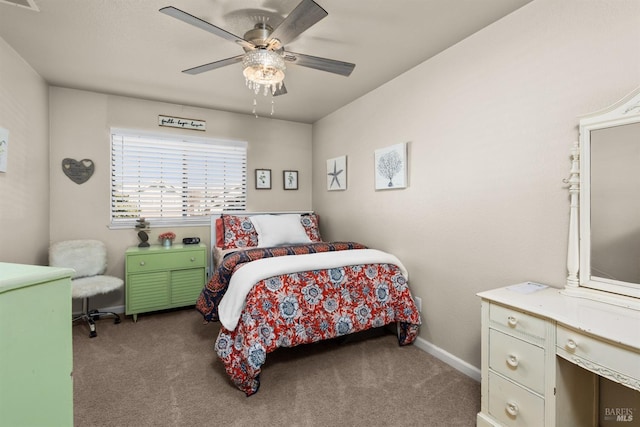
86	287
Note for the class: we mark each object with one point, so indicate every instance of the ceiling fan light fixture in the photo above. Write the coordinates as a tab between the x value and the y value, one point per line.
263	69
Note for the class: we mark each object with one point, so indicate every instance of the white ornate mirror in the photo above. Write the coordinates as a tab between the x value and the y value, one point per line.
604	244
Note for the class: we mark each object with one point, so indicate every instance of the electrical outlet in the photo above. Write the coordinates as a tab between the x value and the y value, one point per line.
418	302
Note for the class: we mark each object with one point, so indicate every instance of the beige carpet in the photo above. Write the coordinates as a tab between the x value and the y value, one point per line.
163	371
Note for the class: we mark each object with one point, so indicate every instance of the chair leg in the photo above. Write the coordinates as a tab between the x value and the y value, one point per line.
92	327
91	316
96	315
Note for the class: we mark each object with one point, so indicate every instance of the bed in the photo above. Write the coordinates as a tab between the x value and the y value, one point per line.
276	283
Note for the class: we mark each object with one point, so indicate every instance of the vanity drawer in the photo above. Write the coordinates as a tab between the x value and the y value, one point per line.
513	405
596	354
517	359
518	321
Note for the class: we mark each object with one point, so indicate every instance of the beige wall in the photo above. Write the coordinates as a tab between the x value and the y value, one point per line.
24	188
80	125
490	123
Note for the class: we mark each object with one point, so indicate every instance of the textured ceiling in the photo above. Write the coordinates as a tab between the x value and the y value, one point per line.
127	47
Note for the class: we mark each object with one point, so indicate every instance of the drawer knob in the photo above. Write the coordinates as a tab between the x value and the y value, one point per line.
512	321
193	259
141	262
571	344
512	409
512	360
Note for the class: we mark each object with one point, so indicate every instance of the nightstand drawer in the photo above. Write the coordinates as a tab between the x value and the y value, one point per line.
164	261
518	321
517	359
595	354
513	405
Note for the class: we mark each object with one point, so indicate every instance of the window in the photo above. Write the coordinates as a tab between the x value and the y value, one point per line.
171	180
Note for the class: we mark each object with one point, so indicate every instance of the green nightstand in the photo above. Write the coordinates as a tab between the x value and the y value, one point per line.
161	277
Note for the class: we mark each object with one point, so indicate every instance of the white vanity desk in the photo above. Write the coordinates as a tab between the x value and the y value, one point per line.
542	353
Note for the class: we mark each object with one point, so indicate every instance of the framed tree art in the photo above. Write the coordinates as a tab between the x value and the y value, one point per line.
337	173
391	167
263	179
290	180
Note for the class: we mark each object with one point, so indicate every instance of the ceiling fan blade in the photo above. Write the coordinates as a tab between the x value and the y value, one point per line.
213	65
281	91
299	20
204	25
323	64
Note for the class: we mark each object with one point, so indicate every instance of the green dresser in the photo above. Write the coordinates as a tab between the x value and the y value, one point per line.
161	277
36	357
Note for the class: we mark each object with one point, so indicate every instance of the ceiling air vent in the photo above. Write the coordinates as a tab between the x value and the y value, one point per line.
27	4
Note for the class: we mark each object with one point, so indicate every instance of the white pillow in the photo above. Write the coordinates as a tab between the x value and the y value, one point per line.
277	230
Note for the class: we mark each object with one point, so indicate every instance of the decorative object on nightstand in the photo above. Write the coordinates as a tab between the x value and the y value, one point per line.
143	226
159	278
167	238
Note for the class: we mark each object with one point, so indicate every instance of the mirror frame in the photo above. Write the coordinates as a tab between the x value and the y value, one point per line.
580	282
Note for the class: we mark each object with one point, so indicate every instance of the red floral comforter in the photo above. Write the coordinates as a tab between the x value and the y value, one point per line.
305	307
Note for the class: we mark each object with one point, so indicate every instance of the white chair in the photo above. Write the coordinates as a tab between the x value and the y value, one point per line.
89	260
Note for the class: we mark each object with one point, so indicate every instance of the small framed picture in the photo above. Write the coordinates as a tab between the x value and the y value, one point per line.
263	179
290	180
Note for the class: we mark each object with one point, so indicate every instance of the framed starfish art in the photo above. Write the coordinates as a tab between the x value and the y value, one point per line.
337	173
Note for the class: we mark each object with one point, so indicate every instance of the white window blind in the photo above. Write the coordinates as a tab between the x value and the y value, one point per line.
175	180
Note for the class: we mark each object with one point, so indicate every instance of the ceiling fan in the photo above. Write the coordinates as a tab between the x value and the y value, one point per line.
265	55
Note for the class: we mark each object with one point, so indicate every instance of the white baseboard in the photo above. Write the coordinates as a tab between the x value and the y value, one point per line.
448	358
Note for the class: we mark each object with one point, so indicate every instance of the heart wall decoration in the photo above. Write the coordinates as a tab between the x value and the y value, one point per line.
78	171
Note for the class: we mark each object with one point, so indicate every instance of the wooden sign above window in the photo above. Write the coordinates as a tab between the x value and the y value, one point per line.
182	123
